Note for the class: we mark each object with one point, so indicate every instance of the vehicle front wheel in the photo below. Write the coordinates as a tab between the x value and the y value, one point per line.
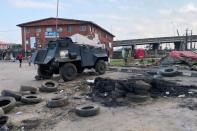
68	72
100	67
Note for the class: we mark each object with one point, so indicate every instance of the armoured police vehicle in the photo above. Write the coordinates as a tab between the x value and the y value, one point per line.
65	57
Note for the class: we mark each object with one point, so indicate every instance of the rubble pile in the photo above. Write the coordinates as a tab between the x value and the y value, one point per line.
112	92
118	92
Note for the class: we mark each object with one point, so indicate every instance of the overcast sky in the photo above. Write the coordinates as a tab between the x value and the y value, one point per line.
126	19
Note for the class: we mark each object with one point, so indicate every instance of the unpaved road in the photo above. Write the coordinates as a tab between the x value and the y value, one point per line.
162	114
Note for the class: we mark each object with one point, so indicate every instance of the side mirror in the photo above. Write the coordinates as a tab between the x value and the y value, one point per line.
72	55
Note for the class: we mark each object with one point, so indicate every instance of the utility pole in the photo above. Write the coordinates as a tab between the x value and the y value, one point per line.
57	13
24	30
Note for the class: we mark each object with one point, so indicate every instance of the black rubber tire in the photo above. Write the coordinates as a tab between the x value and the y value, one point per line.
118	93
13	94
49	86
7	103
58	101
100	67
137	98
168	71
88	110
142	85
44	72
28	88
68	72
3	120
31	99
141	92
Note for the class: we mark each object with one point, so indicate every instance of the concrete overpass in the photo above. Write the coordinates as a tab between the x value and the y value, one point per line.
179	42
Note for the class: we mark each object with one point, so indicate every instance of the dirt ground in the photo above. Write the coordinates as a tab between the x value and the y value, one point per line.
163	114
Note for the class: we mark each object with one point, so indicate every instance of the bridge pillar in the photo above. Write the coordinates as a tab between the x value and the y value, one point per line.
155	48
177	46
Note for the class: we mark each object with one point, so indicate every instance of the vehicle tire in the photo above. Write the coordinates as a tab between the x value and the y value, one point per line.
88	110
3	121
31	99
13	94
49	86
100	67
59	101
137	98
7	103
169	71
68	72
29	88
44	72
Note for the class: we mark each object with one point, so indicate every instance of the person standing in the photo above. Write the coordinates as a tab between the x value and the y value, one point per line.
20	58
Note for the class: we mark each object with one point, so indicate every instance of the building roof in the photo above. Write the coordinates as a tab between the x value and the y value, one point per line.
52	18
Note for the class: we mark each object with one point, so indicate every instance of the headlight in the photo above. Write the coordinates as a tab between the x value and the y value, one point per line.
63	53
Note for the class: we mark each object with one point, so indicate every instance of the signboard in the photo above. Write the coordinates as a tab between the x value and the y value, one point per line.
51	34
32	41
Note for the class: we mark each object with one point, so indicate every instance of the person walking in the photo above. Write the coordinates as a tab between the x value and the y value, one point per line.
20	58
29	60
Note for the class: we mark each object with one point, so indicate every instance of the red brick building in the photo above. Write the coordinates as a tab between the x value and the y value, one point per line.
38	33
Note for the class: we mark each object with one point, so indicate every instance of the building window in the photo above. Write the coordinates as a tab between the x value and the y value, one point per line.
49	29
37	29
59	29
69	28
82	28
27	30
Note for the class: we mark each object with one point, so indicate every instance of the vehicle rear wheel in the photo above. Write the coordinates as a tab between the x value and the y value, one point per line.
68	72
44	72
100	67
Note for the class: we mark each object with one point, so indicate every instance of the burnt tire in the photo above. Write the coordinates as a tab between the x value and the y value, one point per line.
31	99
3	121
13	94
31	89
141	92
58	101
168	71
68	72
141	85
88	110
7	103
100	67
44	72
49	86
137	98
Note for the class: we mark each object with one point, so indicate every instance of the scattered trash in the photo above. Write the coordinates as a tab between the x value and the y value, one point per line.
90	81
19	113
181	96
167	93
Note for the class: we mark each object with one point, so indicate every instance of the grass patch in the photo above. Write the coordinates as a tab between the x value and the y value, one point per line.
117	62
